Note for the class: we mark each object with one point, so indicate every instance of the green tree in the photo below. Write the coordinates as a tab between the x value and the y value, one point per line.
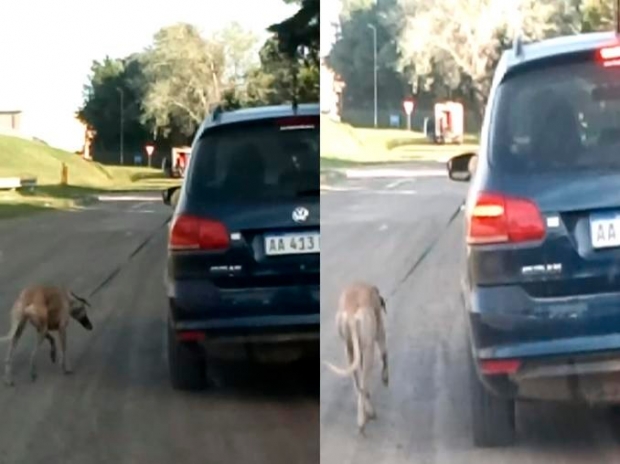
301	30
470	41
240	48
352	56
184	74
597	15
102	102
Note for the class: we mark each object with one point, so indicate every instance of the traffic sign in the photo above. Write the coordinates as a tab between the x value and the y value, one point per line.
408	106
149	149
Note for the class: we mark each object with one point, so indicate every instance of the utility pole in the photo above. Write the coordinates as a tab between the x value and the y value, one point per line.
374	41
122	124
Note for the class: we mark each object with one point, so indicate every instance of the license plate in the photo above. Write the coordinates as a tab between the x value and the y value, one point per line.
292	244
605	230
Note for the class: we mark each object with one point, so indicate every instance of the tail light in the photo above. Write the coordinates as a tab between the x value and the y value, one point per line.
496	218
190	336
609	56
195	233
500	366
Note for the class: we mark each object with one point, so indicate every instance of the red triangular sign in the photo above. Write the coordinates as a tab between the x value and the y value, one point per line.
149	149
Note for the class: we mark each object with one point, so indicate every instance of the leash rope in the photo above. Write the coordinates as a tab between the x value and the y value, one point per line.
121	266
425	253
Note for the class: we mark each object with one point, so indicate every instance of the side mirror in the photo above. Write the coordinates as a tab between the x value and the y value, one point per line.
170	196
461	168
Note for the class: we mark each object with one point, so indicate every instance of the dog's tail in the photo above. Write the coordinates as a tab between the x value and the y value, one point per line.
10	335
357	356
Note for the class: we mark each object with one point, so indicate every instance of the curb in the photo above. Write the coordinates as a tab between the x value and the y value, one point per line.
331	176
86	200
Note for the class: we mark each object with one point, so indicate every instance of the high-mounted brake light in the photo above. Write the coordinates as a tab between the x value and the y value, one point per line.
609	56
298	122
497	218
195	233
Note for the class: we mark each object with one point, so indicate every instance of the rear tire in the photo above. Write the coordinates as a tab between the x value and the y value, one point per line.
186	363
493	418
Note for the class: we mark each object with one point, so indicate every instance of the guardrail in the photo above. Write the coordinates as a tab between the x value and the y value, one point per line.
15	183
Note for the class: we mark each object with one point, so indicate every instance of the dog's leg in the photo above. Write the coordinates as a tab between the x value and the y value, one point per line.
382	344
8	362
52	347
368	359
62	336
361	412
35	350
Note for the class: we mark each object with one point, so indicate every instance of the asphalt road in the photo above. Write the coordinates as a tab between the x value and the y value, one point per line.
118	406
377	229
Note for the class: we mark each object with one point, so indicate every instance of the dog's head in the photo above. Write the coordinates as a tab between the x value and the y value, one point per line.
77	310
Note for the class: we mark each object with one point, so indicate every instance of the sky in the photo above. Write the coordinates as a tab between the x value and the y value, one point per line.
330	12
47	48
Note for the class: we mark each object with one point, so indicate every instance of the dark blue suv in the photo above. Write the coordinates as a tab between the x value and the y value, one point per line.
541	284
243	261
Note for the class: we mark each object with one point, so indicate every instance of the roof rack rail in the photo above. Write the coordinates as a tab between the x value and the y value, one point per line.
217	112
517	46
517	43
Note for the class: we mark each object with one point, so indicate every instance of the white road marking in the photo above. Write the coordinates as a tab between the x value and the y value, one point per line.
127	198
390	192
387	173
398	182
138	206
328	188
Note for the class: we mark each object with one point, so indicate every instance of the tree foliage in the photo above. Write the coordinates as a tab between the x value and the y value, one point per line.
169	88
352	56
184	74
301	30
443	48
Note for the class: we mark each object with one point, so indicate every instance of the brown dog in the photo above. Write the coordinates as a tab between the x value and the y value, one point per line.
360	324
47	309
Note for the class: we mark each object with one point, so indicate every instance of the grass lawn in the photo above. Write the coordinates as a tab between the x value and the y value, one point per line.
345	146
23	158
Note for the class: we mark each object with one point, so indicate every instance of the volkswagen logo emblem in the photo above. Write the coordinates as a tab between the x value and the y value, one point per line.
300	214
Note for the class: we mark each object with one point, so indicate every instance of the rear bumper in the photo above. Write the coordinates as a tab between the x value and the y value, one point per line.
506	322
273	314
569	347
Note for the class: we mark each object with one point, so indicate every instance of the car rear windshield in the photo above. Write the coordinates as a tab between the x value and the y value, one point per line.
560	117
269	159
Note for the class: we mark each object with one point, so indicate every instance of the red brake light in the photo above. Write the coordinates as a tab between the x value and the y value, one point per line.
496	218
298	122
609	56
195	233
190	336
500	366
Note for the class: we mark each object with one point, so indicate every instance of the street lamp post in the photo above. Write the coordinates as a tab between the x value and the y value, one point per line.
374	60
122	124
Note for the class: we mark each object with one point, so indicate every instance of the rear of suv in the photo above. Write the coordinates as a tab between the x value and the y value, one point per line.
243	262
541	285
